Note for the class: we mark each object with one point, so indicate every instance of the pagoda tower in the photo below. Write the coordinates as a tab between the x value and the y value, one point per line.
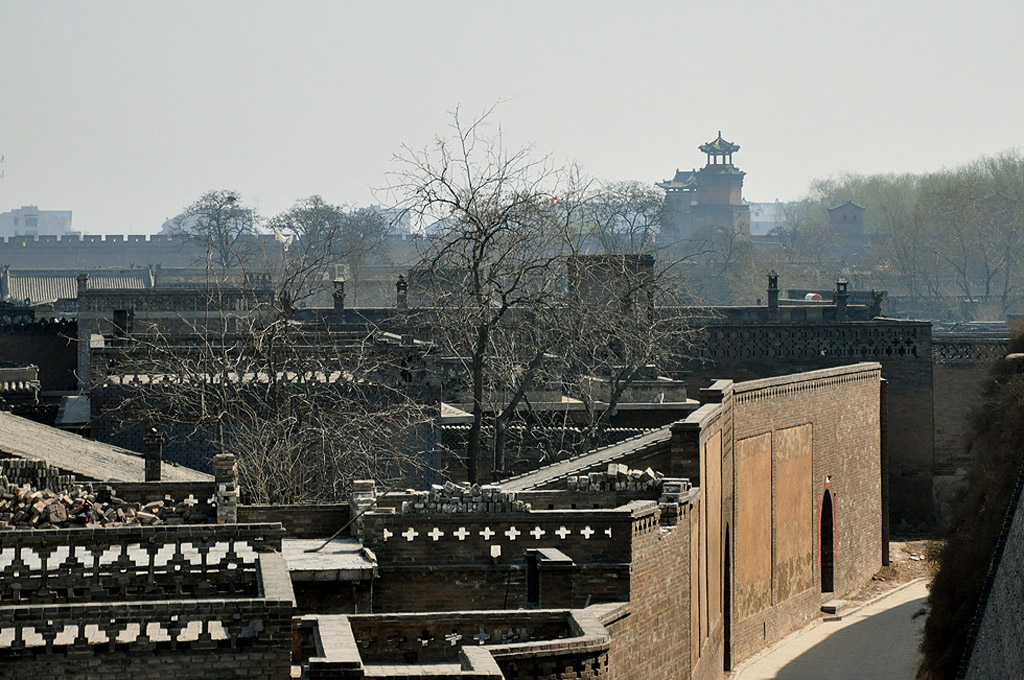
709	198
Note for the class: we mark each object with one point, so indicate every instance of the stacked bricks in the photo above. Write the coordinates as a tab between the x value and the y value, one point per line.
35	473
617	478
225	476
25	507
456	498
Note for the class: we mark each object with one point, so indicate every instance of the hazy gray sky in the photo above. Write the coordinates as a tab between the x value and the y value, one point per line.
124	112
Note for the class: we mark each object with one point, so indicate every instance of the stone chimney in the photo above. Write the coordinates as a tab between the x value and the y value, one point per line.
842	296
83	283
773	295
402	290
225	476
153	450
339	295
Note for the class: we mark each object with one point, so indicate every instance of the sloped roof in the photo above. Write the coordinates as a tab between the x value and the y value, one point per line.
82	457
682	180
846	203
38	286
641	443
719	146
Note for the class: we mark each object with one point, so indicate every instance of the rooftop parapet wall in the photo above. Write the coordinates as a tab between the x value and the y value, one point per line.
473	644
881	339
958	350
133	563
51	326
597	536
169	602
767	388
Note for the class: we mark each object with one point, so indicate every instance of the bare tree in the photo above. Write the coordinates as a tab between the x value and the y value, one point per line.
319	236
494	262
220	224
496	272
306	408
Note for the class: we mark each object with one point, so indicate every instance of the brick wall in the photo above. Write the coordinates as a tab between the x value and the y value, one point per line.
543	644
904	350
653	640
299	521
153	602
841	409
51	345
478	561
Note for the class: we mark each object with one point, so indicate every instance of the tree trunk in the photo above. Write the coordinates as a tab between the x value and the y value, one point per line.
477	369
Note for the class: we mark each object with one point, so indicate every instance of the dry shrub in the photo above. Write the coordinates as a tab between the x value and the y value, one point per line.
997	434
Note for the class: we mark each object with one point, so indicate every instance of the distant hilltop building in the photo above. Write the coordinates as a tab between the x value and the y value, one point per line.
709	198
29	220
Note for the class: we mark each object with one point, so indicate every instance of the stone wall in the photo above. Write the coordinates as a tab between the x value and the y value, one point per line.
997	651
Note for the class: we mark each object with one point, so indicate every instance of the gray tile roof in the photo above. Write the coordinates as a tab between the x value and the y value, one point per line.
83	457
40	285
598	457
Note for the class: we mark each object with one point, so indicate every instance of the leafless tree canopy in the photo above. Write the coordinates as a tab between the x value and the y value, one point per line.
520	296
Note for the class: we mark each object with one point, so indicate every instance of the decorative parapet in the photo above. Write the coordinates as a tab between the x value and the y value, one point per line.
492	539
132	563
966	351
870	340
214	601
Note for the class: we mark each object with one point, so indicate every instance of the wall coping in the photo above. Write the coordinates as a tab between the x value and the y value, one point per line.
863	367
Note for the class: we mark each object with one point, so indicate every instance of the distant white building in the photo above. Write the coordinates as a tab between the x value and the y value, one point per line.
29	220
397	220
765	217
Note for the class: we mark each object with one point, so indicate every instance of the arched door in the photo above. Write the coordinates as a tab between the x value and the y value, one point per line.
827	544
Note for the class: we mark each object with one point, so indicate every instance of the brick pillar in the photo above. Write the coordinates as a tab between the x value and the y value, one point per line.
225	476
83	283
402	292
684	450
364	493
339	295
153	448
773	295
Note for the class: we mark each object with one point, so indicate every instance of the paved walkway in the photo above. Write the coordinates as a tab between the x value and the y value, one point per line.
878	642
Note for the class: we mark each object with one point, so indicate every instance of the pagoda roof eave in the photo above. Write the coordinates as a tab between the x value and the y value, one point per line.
719	146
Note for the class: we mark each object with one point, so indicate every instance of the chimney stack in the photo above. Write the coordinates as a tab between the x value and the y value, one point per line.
773	295
842	295
339	295
402	290
153	448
